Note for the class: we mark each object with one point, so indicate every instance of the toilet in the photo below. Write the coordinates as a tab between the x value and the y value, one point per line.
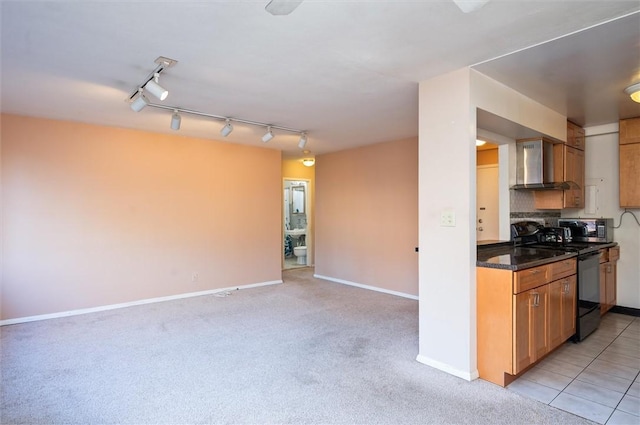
301	253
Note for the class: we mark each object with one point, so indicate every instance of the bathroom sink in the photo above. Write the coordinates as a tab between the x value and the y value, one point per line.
295	232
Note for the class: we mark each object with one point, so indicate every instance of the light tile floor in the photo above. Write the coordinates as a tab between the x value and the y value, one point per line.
597	379
292	263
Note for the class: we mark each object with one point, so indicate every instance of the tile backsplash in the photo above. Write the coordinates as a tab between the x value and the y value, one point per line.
523	209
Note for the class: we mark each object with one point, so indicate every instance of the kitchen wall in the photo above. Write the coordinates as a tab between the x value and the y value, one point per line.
367	216
601	170
95	215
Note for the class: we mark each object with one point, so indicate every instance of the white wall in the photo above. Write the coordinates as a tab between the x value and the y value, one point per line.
447	182
601	170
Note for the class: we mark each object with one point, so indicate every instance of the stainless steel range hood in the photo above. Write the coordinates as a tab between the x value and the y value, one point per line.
535	169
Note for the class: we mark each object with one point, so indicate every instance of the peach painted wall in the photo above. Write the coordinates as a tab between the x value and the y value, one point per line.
97	215
367	216
487	157
294	169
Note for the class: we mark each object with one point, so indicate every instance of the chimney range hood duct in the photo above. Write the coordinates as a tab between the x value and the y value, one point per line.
535	166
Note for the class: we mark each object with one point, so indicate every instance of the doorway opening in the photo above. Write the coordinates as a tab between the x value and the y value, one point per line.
296	216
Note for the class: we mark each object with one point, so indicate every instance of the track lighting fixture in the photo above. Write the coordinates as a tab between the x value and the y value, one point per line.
175	120
156	89
268	135
303	140
227	129
140	102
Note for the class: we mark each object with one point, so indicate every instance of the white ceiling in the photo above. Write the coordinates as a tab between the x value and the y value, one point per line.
345	71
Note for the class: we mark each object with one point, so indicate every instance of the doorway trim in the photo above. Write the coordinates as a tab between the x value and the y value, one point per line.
308	206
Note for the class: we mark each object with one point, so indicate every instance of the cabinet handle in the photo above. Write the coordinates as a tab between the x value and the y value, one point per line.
535	271
566	288
536	300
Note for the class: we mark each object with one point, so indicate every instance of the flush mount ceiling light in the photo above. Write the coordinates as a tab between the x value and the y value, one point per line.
480	142
175	121
634	91
268	135
138	101
308	162
227	129
303	140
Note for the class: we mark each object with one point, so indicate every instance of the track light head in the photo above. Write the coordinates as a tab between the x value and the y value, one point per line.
303	140
140	102
268	135
227	129
175	120
156	89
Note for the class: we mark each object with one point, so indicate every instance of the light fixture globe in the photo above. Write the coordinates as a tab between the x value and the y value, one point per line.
634	91
308	162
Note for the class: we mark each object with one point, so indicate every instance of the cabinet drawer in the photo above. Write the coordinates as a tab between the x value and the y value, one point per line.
614	253
563	268
524	280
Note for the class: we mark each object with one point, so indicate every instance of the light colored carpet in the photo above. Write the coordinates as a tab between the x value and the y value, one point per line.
306	351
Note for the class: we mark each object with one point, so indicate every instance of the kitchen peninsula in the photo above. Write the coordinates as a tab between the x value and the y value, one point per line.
526	306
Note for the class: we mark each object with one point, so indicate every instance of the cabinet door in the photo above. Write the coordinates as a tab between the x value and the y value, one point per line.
630	131
531	335
603	288
555	313
522	352
574	172
540	322
610	285
630	175
569	302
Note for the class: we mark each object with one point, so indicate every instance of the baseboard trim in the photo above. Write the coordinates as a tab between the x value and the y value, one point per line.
369	287
131	303
629	311
467	376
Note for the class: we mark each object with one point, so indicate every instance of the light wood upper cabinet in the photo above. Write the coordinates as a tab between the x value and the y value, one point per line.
629	155
575	136
569	165
630	131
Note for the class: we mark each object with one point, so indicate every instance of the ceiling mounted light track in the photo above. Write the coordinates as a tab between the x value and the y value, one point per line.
138	101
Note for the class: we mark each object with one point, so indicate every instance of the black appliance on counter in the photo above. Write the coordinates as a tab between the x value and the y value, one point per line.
589	229
535	235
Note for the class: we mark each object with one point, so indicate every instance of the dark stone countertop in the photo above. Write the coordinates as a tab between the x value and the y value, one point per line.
506	256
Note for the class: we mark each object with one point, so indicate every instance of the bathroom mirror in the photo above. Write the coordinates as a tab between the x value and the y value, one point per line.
297	196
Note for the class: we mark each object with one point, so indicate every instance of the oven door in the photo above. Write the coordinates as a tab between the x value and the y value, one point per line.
588	310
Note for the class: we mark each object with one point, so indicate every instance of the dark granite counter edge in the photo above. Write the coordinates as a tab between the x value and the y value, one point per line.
526	265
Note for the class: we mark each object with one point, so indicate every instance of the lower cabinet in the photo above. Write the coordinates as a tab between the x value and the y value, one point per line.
531	336
517	328
608	278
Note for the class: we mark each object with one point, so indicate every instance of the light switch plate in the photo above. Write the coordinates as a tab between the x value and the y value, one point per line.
448	218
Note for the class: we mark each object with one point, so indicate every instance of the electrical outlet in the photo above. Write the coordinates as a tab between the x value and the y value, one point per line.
448	218
194	277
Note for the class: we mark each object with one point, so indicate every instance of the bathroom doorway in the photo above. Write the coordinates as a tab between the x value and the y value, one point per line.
296	225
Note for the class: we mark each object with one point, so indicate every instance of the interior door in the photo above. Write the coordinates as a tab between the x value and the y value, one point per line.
487	202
